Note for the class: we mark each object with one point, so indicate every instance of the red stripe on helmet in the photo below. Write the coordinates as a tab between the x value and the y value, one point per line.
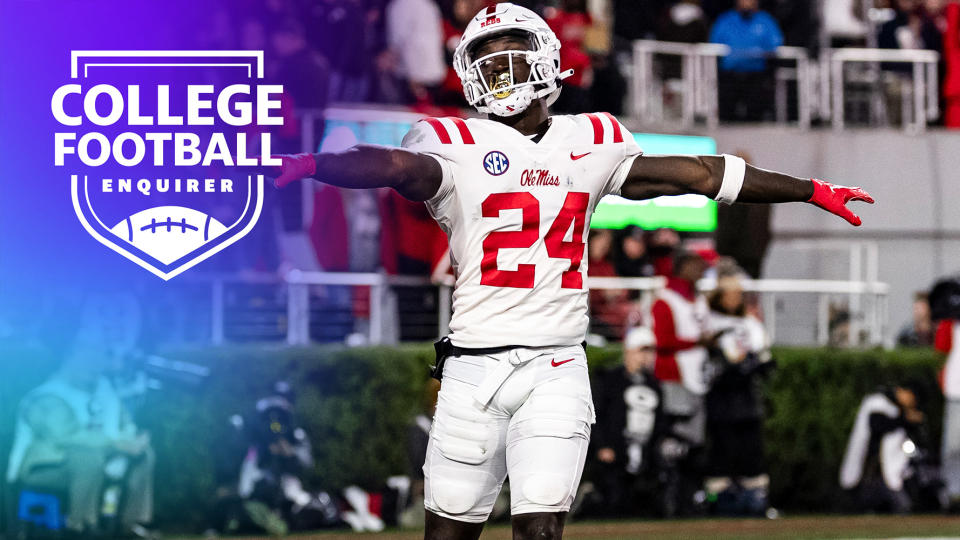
440	129
597	128
464	130
491	10
617	132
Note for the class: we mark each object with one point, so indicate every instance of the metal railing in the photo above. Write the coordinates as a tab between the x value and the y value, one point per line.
803	75
298	306
922	90
820	86
698	68
874	312
869	298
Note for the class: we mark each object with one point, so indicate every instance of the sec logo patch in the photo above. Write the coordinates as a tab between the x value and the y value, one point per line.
496	163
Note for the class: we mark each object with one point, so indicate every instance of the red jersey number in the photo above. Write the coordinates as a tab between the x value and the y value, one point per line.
523	276
574	212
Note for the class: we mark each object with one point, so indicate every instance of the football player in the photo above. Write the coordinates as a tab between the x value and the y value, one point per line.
514	193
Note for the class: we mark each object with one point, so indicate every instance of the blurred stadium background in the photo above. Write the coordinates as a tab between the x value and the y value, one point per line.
322	317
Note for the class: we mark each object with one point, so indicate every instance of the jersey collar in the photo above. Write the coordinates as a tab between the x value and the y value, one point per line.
554	133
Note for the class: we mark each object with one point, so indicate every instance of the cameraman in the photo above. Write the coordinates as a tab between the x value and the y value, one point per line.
278	455
877	459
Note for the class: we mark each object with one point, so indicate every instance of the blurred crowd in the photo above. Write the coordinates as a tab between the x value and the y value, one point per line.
679	422
399	51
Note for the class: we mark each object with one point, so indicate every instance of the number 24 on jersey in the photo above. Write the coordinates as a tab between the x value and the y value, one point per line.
574	211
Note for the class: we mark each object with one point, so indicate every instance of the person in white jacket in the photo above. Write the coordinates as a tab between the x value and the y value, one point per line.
738	480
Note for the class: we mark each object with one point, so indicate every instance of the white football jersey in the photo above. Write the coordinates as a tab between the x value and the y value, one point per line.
517	214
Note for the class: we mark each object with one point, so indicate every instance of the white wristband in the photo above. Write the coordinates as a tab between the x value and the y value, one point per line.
734	168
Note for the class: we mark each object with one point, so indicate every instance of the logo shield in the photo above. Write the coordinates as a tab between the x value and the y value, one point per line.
161	143
167	239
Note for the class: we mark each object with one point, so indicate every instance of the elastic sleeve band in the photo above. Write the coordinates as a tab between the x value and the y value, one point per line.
734	168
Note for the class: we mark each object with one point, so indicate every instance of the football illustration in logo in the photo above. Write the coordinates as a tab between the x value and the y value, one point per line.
169	232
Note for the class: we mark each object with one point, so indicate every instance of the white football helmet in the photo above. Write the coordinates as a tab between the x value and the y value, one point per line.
495	90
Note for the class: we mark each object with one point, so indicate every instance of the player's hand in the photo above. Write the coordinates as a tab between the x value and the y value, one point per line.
834	199
292	167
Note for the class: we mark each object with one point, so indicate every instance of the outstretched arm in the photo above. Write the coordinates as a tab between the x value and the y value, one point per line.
414	175
652	176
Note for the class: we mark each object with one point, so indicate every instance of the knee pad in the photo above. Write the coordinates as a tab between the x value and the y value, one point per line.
547	446
465	465
464	433
546	489
457	490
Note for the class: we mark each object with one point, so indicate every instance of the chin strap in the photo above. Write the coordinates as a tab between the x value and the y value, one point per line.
564	74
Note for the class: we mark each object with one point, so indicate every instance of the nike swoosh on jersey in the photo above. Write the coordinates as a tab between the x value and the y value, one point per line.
576	157
554	362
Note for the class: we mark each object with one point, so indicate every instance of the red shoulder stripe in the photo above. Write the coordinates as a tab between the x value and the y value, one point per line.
597	128
617	133
440	129
464	130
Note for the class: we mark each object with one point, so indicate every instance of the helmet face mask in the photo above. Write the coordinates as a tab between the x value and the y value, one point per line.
502	81
507	59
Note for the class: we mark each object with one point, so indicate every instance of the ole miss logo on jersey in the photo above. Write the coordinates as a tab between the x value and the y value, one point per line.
538	177
496	163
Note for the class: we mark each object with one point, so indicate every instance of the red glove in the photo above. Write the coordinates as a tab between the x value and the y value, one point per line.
293	167
833	199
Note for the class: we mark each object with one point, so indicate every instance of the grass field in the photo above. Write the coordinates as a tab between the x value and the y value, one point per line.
806	527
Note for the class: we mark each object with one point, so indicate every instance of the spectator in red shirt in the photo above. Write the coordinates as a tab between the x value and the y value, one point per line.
679	315
570	22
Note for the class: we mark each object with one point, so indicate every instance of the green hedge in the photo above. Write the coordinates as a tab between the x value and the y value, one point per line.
813	399
356	403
